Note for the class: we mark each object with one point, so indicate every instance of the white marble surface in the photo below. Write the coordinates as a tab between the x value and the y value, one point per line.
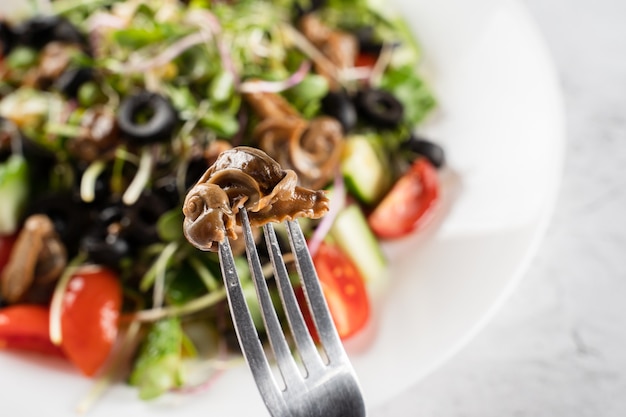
558	346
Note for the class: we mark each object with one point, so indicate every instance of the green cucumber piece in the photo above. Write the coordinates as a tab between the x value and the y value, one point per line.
13	192
158	366
366	175
352	233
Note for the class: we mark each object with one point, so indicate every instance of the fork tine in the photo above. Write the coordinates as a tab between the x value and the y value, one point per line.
326	330
246	332
308	352
330	390
284	359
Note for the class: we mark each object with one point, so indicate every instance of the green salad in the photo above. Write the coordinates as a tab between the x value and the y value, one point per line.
110	111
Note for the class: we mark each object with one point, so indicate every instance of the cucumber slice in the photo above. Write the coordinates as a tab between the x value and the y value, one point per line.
352	233
367	176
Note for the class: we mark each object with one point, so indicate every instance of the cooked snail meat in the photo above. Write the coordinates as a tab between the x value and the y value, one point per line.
249	178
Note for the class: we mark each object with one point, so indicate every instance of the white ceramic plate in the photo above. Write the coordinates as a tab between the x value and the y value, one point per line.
501	122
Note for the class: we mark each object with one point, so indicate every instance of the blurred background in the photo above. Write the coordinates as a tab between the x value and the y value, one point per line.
558	346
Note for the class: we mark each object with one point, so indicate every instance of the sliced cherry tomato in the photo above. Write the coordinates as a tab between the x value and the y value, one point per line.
409	203
25	327
89	317
365	60
6	245
344	290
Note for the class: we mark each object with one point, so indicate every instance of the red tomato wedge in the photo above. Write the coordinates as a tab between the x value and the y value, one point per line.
409	203
89	317
25	327
365	60
344	290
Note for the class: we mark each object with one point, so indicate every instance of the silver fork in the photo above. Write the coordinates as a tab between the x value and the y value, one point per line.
328	387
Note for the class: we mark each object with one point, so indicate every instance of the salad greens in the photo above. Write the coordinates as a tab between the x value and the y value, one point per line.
115	192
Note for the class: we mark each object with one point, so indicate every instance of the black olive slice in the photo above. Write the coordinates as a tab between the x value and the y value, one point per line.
160	118
339	105
108	250
106	240
7	38
167	191
38	31
379	108
142	218
430	150
114	213
72	79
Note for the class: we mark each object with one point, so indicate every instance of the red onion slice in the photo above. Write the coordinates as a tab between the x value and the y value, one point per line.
261	86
